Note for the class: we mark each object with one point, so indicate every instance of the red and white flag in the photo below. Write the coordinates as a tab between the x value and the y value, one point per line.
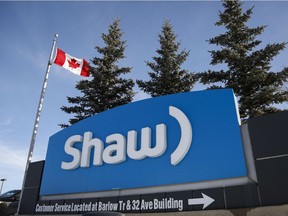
75	65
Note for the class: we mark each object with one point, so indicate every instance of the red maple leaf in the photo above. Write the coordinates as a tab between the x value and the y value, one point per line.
73	63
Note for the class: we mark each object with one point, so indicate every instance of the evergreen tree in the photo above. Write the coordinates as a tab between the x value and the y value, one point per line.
166	76
107	88
248	73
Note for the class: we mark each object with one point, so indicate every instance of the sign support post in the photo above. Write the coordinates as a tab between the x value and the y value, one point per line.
36	123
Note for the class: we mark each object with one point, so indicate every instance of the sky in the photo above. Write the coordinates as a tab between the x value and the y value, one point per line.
27	32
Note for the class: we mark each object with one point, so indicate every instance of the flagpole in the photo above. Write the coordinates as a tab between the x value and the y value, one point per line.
36	123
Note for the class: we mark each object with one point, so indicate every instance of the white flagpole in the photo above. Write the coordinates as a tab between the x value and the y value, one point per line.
36	123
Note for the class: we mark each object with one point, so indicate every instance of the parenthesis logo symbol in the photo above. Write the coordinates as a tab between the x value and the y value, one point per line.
186	135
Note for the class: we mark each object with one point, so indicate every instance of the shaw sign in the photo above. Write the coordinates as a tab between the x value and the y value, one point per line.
164	141
115	153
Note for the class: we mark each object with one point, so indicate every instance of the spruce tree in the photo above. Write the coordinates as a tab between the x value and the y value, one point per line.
107	88
166	76
248	70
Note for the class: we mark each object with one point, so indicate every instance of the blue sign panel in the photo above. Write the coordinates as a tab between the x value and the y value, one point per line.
168	140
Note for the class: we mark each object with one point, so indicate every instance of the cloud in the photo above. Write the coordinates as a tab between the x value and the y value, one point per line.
33	57
12	165
6	122
12	158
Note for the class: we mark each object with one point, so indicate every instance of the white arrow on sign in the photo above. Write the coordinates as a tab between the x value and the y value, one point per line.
205	201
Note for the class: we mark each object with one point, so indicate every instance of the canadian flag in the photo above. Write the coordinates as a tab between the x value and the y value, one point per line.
75	65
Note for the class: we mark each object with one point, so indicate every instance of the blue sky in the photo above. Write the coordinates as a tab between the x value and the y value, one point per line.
27	31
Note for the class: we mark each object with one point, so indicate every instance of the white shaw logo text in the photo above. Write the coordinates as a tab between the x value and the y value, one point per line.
118	148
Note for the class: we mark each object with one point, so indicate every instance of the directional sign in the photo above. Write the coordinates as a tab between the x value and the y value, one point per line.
205	201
